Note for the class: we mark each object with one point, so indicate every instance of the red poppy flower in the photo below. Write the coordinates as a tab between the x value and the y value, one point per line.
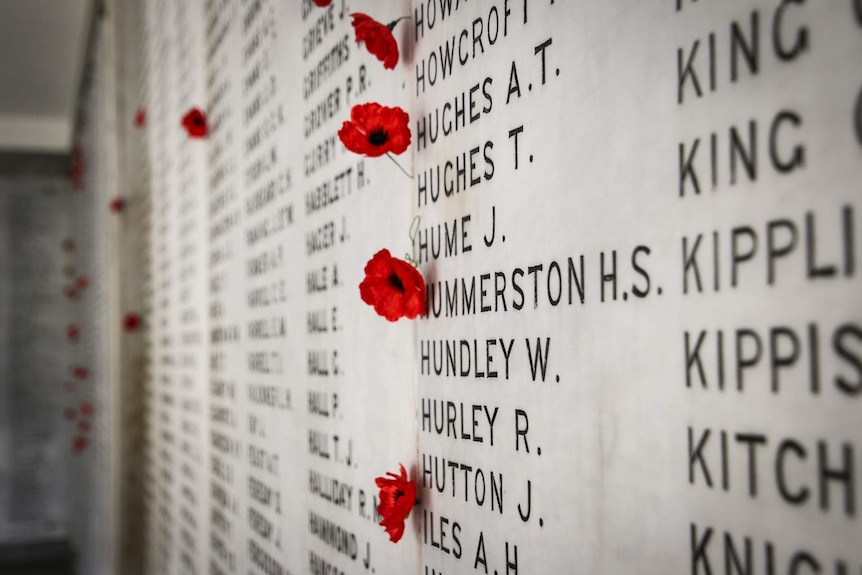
68	245
76	170
132	322
73	333
69	386
76	176
80	372
322	3
79	444
397	498
195	123
70	414
84	425
117	204
140	118
82	282
393	287
86	408
374	130
378	38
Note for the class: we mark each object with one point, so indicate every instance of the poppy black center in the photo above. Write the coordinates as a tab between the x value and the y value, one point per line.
378	137
197	121
395	282
398	494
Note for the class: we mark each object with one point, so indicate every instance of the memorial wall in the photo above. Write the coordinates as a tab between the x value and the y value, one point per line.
635	228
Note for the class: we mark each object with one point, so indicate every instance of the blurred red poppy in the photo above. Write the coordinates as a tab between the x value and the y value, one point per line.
132	322
377	37
76	176
195	123
117	204
79	444
76	170
397	498
141	118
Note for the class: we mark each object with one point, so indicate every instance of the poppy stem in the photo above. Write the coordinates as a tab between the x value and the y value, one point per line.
414	229
394	161
395	22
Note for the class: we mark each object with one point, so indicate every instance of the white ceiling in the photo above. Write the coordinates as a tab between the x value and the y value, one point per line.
42	45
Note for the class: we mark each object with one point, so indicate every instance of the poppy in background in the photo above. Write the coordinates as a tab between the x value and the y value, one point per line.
195	123
132	322
117	204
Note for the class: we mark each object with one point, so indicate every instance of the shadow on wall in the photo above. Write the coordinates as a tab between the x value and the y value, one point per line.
44	558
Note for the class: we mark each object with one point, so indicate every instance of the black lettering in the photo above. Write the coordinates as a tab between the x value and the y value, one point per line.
801	42
752	440
692	357
699	548
686	71
742	360
750	50
789	446
842	475
844	332
797	158
695	455
738	256
689	260
686	167
774	251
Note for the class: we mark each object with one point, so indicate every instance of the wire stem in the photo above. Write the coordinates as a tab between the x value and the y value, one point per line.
395	22
414	229
394	161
